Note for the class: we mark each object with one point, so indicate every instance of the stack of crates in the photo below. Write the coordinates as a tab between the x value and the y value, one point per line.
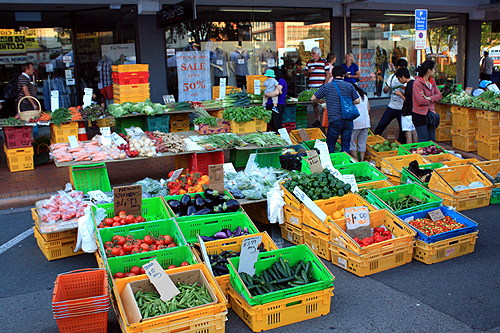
443	132
463	133
488	134
61	133
20	159
179	122
301	117
130	83
18	136
289	117
251	83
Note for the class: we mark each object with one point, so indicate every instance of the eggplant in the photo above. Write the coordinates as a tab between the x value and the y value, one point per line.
231	206
209	203
207	239
228	232
221	270
237	232
209	193
202	211
191	210
221	235
175	205
199	203
245	231
185	201
219	199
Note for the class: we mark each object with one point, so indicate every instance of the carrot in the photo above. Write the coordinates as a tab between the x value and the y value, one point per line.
45	116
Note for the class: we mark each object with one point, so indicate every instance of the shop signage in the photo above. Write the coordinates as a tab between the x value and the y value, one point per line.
175	14
420	29
13	60
366	62
193	74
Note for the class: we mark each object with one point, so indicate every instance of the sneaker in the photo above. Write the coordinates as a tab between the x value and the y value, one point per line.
316	124
275	109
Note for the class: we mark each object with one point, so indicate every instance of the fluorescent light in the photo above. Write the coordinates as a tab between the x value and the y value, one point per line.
246	10
398	14
438	18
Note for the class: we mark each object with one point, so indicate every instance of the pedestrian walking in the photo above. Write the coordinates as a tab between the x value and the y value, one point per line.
407	126
361	125
486	67
316	68
26	87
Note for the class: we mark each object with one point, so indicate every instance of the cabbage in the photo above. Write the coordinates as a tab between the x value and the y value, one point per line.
137	107
476	184
116	110
148	110
158	108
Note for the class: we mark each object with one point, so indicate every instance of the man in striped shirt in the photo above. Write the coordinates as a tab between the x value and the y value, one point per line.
317	69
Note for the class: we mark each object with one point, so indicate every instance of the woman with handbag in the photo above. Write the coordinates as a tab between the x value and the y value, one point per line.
425	94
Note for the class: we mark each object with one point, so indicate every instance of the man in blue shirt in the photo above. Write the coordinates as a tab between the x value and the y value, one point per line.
337	126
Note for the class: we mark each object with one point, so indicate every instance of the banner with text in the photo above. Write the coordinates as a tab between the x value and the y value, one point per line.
366	62
193	73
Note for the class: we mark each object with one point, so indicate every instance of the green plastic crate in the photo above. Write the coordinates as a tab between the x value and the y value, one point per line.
90	177
152	209
378	197
408	177
272	159
209	225
292	255
239	157
336	158
309	145
361	169
159	122
405	148
495	196
133	121
195	217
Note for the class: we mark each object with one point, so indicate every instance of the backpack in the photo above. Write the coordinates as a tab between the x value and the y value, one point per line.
10	89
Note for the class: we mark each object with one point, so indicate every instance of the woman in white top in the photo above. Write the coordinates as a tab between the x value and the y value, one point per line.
361	126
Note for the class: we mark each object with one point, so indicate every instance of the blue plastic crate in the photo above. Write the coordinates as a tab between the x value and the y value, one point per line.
471	226
158	123
289	114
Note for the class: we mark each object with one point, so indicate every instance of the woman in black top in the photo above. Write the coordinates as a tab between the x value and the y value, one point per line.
403	75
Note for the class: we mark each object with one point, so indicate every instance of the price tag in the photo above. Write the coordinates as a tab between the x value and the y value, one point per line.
351	180
314	164
70	82
168	99
128	198
118	140
229	168
54	100
311	153
160	279
309	203
222	88
271	62
175	175
303	135
87	97
285	136
335	172
249	254
216	177
204	253
73	141
435	215
219	62
241	61
342	262
66	58
134	131
68	73
256	87
251	163
468	90
357	221
170	52
106	136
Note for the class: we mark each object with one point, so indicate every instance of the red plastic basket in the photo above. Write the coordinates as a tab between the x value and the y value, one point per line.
17	137
80	287
200	161
91	323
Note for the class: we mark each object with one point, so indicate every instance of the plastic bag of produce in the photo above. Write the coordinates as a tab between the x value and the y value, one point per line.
275	205
86	237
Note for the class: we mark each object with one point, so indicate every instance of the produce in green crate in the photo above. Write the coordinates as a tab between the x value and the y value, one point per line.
264	139
424	151
220	261
227	233
279	276
362	178
121	245
136	270
408	201
318	186
213	203
243	115
385	146
222	140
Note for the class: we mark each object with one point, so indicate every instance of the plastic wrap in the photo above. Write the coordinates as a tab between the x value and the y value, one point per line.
86	236
61	211
275	205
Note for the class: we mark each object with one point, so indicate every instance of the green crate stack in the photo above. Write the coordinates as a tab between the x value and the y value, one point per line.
289	115
301	117
133	121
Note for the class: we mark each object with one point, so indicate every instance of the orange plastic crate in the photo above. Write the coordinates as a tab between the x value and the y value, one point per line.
249	126
463	117
394	165
463	161
56	249
444	111
20	159
124	78
130	68
292	234
60	134
90	323
464	139
443	133
80	286
430	253
314	133
488	146
488	123
53	235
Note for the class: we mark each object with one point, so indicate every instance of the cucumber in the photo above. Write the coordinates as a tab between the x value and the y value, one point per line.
285	280
264	274
304	276
297	269
288	269
272	273
280	269
257	280
308	267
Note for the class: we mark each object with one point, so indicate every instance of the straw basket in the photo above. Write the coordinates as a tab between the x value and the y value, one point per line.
27	115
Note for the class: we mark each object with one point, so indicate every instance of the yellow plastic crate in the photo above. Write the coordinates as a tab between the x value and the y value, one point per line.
443	133
292	234
314	133
444	111
375	185
53	235
464	140
249	126
488	123
492	168
440	158
317	240
394	165
57	249
229	90
458	162
120	89
182	126
463	117
106	122
98	258
430	253
376	157
130	68
445	179
251	82
130	98
290	199
488	146
60	134
20	159
216	113
374	262
283	312
293	215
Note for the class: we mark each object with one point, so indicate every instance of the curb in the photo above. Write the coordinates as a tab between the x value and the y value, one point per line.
24	201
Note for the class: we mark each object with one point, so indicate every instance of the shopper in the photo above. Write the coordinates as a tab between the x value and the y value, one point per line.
351	68
316	68
330	58
280	91
361	125
337	126
486	67
407	126
26	87
395	104
425	94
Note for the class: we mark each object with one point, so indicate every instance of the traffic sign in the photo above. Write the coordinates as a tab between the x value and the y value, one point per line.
420	19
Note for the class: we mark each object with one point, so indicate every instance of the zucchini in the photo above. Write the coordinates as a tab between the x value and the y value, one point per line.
266	276
272	274
304	276
308	267
285	280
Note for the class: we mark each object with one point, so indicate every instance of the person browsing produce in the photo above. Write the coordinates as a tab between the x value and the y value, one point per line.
280	92
316	68
360	126
336	125
407	126
270	85
26	87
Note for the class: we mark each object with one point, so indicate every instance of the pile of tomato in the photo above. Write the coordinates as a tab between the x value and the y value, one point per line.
135	270
121	219
379	235
121	246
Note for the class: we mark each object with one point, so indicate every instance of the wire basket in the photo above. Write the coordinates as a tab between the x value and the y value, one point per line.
27	115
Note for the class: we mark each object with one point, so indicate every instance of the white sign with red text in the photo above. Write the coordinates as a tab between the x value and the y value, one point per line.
193	73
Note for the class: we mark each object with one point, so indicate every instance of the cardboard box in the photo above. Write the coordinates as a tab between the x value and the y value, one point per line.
132	312
222	127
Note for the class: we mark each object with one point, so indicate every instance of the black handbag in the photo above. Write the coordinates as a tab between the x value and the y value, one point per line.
432	119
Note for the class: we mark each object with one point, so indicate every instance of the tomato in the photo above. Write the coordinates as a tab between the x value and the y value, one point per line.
127	247
109	251
143	271
122	214
127	274
159	242
137	242
144	251
161	247
121	240
171	266
135	250
142	218
116	224
115	238
152	248
136	270
108	244
122	252
184	263
144	246
117	219
168	239
108	221
148	240
131	274
171	245
102	225
115	251
119	275
129	238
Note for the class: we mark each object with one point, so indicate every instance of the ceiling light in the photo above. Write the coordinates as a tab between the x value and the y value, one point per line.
438	18
246	10
115	6
398	14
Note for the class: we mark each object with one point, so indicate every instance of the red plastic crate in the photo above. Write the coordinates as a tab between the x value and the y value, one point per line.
200	161
289	126
130	77
17	137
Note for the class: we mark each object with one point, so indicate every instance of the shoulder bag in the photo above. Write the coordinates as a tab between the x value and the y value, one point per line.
349	110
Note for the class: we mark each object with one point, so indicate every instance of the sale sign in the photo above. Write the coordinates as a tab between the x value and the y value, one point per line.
365	59
193	73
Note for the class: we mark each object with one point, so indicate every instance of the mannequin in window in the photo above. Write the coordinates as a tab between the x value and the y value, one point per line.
239	65
219	60
381	66
267	59
105	85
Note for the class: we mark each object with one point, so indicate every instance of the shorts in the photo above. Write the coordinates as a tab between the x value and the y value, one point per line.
107	92
274	99
362	136
407	124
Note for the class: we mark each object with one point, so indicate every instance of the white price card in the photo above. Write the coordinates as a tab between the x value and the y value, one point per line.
222	88
436	215
160	279
118	140
73	141
87	97
168	99
351	180
54	100
219	62
256	87
175	175
285	136
249	254
70	82
356	217
68	73
309	203
241	61
251	164
204	253
106	136
335	172
229	168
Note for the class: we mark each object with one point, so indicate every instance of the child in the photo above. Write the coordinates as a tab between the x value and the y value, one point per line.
360	126
270	85
403	75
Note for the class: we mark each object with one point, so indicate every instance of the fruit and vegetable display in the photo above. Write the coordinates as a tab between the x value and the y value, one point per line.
147	108
168	142
431	228
424	175
318	186
360	179
220	261
136	270
92	150
236	99
306	95
211	104
264	139
151	305
213	203
279	276
385	146
121	245
253	184
243	115
93	112
227	233
187	182
204	117
121	219
449	88
12	121
424	151
405	202
380	234
488	100
61	211
475	184
139	145
222	140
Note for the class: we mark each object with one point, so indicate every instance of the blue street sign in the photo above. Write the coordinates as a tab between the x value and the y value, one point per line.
420	19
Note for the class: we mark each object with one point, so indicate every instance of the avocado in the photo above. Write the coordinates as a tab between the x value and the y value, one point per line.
386	143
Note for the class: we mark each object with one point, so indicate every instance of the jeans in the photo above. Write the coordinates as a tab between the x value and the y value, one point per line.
426	133
386	119
344	129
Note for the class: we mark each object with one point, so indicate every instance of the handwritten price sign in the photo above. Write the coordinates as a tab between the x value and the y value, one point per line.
128	198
